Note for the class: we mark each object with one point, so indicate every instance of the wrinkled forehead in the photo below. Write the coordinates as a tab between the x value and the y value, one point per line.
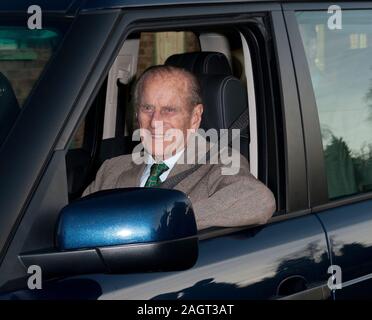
165	86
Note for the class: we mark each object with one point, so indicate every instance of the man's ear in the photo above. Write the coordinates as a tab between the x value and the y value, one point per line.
196	116
136	119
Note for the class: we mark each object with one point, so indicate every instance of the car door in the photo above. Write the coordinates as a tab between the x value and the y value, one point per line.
287	258
333	66
283	260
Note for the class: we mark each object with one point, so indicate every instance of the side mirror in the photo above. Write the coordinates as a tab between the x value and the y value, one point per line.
122	231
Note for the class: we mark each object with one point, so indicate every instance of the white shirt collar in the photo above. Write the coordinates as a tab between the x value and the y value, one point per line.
170	162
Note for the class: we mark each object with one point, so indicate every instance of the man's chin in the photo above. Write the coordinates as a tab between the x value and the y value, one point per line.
161	150
161	156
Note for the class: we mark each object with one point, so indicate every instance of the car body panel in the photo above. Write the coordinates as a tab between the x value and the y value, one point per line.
249	264
350	240
256	263
60	6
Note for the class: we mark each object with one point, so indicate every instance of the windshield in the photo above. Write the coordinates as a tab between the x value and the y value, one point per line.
24	54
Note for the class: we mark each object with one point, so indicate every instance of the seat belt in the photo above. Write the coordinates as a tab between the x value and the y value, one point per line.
240	123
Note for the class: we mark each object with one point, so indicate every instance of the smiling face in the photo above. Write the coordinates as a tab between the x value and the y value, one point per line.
165	115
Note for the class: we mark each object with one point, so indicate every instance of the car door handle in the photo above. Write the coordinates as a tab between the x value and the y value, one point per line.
296	288
292	285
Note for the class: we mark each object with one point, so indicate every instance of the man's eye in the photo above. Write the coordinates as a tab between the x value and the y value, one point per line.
169	109
146	108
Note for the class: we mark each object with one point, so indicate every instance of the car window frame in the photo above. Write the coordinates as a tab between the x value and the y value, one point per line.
157	19
296	202
125	23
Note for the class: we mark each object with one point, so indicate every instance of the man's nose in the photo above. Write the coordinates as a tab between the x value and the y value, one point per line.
156	120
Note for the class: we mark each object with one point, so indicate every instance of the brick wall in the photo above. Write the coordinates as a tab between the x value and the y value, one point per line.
23	74
146	51
154	44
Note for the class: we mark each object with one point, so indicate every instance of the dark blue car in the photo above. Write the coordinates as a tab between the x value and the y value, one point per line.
67	69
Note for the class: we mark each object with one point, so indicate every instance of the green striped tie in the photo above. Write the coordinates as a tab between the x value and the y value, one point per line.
156	170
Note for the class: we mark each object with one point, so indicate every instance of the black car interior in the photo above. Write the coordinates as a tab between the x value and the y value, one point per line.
82	163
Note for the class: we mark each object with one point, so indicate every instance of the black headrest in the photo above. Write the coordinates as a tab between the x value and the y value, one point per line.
201	62
9	107
224	100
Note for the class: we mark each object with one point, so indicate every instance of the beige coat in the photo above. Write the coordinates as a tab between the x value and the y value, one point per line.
218	200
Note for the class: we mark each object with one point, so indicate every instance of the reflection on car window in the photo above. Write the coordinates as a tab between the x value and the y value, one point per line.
341	70
23	56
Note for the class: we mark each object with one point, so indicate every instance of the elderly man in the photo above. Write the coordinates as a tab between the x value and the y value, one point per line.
167	100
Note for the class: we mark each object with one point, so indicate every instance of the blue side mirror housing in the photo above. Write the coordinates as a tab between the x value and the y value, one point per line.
122	231
125	216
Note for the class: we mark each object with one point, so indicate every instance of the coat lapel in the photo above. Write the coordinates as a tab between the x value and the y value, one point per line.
181	166
131	177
